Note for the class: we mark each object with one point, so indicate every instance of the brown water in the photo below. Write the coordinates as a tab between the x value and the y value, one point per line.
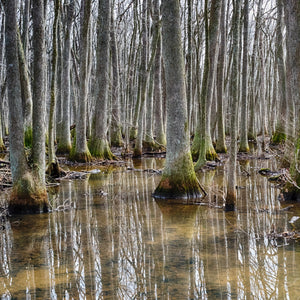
126	245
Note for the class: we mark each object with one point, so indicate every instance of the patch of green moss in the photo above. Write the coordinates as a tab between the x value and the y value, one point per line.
278	138
28	137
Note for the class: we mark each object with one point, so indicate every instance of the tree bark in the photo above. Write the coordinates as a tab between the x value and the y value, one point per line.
99	145
64	145
179	179
244	146
81	152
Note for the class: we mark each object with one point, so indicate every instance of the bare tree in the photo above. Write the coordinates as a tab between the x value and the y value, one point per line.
179	178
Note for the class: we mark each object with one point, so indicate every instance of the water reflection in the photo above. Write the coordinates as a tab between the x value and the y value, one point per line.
119	243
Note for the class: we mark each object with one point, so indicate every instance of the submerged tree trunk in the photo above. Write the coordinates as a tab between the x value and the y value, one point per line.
231	185
99	145
179	178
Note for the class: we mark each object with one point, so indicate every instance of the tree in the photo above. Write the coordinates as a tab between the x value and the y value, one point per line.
244	146
203	135
292	10
221	145
29	189
80	151
99	145
53	165
231	186
64	144
179	178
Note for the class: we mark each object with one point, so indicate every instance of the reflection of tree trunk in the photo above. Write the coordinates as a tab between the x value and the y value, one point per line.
105	247
178	226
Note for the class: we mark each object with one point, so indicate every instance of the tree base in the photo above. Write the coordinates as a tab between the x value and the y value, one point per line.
244	148
63	149
2	147
230	202
150	145
100	149
221	148
179	180
132	133
27	197
116	139
84	157
170	188
137	153
54	170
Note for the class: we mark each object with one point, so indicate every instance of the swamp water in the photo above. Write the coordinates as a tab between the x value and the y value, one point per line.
117	242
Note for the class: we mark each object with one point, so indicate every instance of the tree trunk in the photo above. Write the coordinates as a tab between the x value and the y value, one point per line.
26	93
221	145
211	54
231	183
99	145
244	146
179	179
116	133
29	190
53	165
81	152
64	146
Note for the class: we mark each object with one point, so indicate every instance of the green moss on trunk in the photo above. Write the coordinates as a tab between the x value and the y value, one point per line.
133	133
27	197
180	181
244	148
278	137
63	148
100	149
28	137
116	139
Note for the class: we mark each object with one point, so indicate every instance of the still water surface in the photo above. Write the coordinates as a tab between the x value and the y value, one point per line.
117	242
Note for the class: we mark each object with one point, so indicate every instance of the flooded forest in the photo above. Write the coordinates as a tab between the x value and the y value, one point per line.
149	149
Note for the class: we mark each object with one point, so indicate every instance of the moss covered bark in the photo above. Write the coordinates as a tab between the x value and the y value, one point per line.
28	196
180	181
100	149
